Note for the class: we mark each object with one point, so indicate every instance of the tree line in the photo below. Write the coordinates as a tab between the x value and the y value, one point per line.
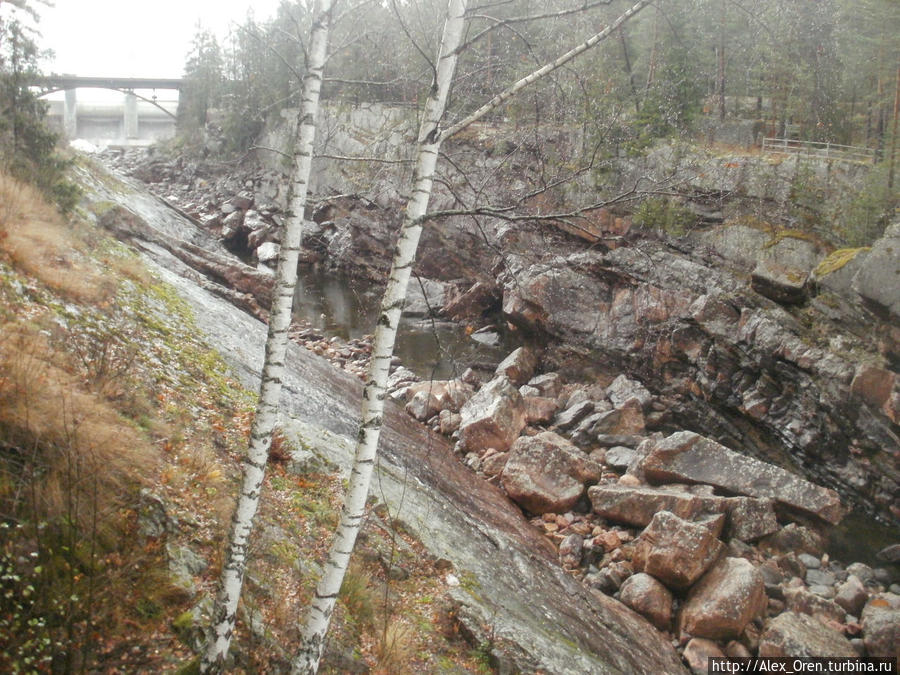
820	71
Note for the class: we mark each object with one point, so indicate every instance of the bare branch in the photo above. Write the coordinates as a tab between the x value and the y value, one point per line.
504	96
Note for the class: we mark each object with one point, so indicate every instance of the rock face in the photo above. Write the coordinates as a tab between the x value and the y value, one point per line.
783	270
675	551
791	634
725	359
546	473
493	417
686	456
727	598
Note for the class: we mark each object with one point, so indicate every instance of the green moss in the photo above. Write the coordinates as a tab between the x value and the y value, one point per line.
183	622
837	259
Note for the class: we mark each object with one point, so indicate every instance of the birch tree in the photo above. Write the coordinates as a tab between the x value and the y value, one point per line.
429	141
276	347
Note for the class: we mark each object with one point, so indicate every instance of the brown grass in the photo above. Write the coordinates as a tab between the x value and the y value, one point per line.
37	241
73	443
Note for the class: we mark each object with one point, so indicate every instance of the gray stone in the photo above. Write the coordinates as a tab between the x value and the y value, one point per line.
804	601
493	417
624	388
688	457
811	562
783	269
820	578
268	252
621	457
878	280
549	384
750	519
852	595
798	635
728	597
572	415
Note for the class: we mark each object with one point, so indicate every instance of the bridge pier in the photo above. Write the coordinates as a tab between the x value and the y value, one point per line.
70	114
131	116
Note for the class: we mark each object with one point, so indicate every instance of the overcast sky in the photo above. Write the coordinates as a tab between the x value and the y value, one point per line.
132	38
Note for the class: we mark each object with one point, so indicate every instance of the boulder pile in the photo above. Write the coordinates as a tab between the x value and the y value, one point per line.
722	552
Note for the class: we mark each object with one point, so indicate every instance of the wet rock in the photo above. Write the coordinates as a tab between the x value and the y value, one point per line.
820	578
728	597
675	551
623	388
798	635
649	598
546	473
852	595
698	652
487	336
518	366
688	457
638	505
493	417
881	626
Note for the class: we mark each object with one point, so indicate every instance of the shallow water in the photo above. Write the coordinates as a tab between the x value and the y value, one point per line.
339	306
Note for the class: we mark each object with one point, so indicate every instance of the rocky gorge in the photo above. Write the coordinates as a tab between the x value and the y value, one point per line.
688	420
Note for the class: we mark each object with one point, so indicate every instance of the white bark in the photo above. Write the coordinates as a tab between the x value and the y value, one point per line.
319	615
507	94
276	347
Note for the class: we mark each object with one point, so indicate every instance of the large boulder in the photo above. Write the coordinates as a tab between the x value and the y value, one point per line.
425	297
675	551
492	418
688	457
727	598
429	398
547	474
637	505
800	635
783	269
878	280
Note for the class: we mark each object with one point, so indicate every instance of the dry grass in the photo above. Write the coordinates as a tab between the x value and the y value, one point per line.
37	241
74	439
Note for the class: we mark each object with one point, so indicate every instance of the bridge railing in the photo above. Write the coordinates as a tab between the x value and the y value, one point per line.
825	150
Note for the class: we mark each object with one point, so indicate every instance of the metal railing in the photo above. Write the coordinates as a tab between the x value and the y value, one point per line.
847	153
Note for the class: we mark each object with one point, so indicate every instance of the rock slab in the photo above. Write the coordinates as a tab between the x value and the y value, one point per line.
688	457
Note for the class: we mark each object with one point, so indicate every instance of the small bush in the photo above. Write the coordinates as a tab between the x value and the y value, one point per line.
668	216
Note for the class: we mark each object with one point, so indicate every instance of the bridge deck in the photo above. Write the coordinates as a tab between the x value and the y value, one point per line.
76	82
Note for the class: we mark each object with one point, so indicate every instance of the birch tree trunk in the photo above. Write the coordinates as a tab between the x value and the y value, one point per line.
276	347
319	614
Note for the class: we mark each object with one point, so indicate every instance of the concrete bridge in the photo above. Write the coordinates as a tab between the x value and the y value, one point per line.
141	119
